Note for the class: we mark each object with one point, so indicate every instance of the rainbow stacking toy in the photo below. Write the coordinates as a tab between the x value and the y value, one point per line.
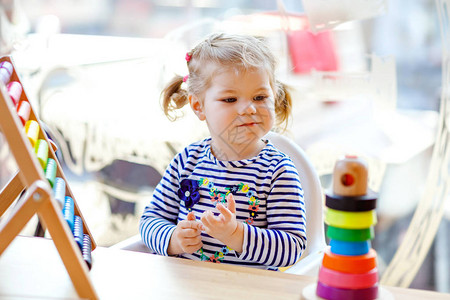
349	268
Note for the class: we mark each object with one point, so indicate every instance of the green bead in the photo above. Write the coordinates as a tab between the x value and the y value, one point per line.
50	171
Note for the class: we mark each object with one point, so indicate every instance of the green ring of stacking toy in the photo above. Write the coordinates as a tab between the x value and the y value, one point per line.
350	220
352	203
350	235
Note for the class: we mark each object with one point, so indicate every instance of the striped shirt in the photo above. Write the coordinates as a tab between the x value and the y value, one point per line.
269	201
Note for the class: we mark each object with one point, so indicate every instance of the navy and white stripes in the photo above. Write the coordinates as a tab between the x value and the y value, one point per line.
269	200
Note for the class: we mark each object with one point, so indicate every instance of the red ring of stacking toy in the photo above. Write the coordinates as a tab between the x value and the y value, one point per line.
350	264
348	280
328	292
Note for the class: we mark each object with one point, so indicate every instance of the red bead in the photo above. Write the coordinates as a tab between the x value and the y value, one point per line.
23	111
14	90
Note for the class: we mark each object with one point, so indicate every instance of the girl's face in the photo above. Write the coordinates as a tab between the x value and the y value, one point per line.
239	109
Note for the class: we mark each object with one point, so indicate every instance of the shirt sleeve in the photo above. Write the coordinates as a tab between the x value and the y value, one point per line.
159	218
284	240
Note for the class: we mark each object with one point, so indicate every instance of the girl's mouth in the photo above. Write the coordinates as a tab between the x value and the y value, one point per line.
248	124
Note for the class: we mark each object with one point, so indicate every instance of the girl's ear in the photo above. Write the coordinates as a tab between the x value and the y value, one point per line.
197	107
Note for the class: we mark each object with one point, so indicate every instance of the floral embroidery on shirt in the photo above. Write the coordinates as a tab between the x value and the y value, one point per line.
218	197
216	257
215	197
232	189
253	207
188	192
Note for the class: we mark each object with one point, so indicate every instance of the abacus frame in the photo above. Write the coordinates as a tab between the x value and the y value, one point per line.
37	198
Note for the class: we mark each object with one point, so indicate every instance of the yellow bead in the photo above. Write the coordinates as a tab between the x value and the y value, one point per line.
41	150
32	131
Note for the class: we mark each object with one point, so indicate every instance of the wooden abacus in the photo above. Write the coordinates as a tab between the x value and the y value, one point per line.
38	197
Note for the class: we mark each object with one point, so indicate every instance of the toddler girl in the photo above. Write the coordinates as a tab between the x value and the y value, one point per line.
232	197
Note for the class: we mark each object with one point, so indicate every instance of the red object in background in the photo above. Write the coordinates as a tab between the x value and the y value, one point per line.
310	51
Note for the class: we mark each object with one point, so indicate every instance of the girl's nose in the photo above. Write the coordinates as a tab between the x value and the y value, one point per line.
248	108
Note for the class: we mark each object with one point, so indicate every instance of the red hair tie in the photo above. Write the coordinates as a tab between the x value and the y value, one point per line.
188	57
185	78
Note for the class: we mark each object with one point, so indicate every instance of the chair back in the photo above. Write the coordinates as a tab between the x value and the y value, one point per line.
312	191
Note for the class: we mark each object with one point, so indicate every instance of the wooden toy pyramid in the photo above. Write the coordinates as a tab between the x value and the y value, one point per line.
349	267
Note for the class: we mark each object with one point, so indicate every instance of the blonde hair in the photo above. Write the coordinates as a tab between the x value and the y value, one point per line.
237	51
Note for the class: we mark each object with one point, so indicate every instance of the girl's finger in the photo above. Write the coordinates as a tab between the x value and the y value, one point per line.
205	219
225	212
192	241
190	216
193	248
190	233
190	224
231	203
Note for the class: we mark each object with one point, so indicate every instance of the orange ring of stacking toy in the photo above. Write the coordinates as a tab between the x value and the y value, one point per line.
350	264
348	280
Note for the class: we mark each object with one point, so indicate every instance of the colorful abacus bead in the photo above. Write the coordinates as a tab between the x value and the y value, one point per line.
23	111
69	211
87	248
348	268
59	190
41	150
32	131
50	171
6	70
78	232
14	89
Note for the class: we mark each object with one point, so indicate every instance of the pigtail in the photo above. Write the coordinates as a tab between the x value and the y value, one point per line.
283	105
174	97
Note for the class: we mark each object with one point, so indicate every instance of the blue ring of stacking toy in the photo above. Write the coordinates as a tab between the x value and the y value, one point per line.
349	248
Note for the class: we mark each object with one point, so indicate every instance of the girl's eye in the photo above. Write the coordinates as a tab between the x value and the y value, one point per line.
259	98
229	100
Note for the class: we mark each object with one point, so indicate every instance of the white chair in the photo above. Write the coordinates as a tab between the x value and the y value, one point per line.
312	257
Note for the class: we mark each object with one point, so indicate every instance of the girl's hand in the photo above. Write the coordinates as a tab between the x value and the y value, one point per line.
186	237
224	227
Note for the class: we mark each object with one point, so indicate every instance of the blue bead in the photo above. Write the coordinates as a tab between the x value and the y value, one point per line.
78	231
59	190
86	251
69	212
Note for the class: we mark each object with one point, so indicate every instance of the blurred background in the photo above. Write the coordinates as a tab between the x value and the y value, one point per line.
366	79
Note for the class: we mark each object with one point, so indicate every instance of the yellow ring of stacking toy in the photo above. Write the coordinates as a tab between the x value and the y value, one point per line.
349	219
